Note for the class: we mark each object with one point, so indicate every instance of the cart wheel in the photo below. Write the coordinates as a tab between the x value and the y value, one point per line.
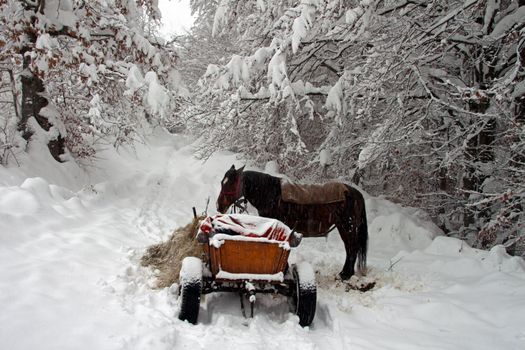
190	289
305	294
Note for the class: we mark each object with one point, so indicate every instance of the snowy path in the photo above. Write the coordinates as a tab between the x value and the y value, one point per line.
70	275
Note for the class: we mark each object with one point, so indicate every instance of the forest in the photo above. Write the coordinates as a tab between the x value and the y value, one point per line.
122	146
421	102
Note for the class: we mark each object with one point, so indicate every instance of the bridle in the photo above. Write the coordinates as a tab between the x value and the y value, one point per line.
239	202
242	205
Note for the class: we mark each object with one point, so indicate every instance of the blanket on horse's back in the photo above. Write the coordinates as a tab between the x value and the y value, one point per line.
330	192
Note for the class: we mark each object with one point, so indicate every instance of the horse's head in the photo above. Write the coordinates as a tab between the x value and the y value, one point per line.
231	189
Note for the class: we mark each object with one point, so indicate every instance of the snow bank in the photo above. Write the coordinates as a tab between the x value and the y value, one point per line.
495	259
401	228
38	162
70	245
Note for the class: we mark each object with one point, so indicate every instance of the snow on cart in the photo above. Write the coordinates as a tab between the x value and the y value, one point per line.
248	255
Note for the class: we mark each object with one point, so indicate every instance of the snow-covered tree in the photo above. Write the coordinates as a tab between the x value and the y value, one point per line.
89	70
421	101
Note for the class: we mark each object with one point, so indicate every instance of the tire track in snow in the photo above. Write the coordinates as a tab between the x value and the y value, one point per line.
152	218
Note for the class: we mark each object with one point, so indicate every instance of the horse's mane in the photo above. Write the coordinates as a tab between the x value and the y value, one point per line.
260	174
255	183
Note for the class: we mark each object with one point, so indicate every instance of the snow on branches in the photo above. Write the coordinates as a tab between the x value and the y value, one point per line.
90	58
397	92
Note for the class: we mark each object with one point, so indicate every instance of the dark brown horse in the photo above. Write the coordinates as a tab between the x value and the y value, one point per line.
263	191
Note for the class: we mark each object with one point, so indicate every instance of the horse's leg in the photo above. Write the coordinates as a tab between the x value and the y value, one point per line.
347	235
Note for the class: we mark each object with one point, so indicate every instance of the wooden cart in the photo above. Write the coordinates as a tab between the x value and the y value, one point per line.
246	266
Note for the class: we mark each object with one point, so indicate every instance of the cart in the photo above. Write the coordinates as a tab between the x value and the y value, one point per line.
247	255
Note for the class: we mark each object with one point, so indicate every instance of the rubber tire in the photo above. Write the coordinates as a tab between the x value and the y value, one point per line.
305	300
190	299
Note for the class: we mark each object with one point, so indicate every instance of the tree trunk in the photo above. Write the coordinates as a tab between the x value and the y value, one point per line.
33	101
479	150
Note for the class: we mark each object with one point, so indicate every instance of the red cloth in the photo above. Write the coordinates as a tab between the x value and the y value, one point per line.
246	225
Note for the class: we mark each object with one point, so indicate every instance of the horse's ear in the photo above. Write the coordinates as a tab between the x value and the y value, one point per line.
233	167
240	170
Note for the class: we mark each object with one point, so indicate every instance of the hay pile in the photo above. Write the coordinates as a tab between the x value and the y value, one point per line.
167	257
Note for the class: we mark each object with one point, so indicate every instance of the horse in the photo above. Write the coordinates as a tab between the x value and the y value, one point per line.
315	219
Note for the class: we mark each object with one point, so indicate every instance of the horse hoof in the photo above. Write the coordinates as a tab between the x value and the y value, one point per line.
345	276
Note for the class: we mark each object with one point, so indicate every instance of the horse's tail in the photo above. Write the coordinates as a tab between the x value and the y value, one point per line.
362	238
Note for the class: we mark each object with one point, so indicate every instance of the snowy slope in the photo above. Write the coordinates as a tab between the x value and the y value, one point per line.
70	278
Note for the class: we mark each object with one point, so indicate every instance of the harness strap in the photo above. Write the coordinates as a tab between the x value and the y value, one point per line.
242	205
240	202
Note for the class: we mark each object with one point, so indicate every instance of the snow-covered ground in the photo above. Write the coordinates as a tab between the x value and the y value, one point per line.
70	277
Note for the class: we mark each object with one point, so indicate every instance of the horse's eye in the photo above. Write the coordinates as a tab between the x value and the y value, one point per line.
225	181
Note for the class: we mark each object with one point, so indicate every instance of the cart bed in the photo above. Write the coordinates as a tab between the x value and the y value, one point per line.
248	259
